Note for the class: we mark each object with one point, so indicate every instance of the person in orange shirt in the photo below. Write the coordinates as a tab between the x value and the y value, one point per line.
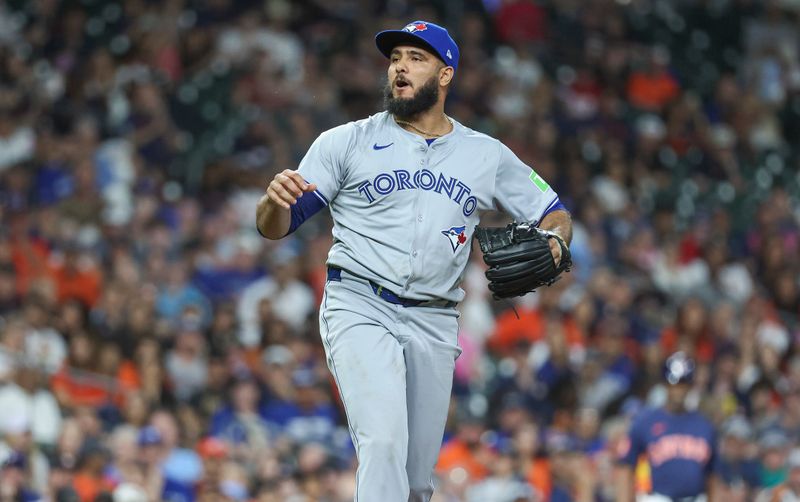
74	384
122	374
532	464
530	327
465	450
94	374
653	87
76	276
690	333
510	330
28	254
88	480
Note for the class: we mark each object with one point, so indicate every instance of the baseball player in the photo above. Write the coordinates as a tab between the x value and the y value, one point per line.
405	188
678	445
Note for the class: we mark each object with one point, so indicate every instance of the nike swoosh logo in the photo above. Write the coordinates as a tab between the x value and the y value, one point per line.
381	147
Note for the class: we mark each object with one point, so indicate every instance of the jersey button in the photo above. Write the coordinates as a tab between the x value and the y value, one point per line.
414	254
419	217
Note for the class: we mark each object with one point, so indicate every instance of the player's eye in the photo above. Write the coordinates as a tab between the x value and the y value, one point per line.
416	58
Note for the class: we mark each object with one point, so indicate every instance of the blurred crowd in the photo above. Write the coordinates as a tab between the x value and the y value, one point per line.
154	347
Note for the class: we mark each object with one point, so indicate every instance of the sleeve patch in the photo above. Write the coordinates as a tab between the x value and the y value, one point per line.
538	181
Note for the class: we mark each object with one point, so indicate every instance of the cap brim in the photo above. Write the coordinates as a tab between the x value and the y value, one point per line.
389	39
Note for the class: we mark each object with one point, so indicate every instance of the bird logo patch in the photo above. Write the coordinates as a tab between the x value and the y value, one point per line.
411	28
456	235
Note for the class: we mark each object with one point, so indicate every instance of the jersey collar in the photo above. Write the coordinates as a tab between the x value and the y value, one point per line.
419	139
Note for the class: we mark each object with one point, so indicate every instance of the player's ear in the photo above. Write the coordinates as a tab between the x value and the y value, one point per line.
445	75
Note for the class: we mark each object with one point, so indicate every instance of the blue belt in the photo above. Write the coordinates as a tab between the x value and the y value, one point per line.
335	274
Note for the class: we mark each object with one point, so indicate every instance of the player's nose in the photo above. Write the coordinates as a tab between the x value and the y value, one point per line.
400	66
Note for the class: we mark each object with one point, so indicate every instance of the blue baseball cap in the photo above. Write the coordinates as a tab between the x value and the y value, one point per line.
15	460
430	36
149	436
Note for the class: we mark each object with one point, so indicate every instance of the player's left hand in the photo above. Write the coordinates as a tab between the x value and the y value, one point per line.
521	258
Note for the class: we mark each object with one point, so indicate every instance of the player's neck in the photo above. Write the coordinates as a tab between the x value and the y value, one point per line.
675	408
432	123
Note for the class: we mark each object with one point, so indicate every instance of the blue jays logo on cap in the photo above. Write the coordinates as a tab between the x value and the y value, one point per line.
456	235
411	28
430	36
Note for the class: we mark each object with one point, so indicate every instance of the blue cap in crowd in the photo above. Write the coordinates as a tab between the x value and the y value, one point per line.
149	436
431	37
16	460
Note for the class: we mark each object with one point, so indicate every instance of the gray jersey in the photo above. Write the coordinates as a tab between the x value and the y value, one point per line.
404	212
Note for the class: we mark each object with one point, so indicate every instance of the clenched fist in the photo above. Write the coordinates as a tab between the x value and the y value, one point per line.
286	187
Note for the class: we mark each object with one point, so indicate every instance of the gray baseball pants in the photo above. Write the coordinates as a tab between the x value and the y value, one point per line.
394	369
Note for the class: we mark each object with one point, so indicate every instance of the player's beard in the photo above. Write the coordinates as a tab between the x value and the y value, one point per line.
407	108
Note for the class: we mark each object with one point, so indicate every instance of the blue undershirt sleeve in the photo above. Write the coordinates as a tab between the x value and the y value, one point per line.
309	204
556	205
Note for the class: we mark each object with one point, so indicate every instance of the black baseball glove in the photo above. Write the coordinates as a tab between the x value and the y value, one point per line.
519	258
